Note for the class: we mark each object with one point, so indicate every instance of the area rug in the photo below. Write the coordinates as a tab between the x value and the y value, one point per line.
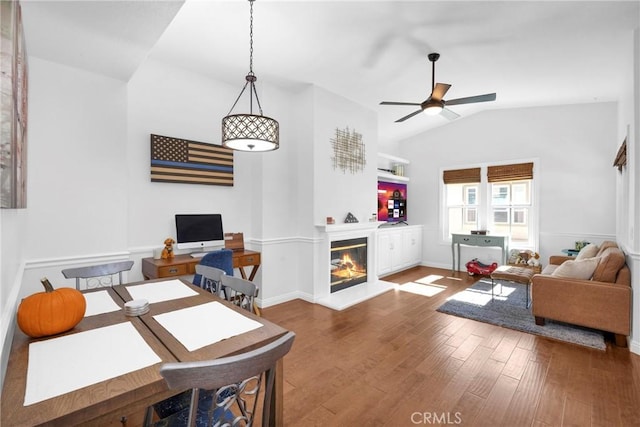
509	310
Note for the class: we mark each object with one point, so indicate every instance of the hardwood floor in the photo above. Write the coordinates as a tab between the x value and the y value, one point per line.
395	361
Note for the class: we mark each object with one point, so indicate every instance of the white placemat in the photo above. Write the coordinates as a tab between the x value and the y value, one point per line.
99	302
64	364
201	325
161	291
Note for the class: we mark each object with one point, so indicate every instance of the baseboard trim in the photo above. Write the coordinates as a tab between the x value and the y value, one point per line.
285	298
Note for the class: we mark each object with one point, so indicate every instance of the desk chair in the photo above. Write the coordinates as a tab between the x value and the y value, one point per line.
97	276
225	391
240	292
211	278
222	259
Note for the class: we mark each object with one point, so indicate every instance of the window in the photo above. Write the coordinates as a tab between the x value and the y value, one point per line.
499	200
510	204
462	187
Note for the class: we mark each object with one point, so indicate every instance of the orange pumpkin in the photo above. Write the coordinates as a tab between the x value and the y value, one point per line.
51	312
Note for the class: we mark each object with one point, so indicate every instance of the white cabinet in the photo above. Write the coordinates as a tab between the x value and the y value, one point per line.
399	248
412	246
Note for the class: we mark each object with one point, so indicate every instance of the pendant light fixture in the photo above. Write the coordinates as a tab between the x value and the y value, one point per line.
250	132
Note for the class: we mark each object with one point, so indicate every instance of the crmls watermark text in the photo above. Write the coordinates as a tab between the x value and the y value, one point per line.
436	418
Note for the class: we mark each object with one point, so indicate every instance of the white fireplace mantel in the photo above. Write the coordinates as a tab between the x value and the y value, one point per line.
347	297
354	226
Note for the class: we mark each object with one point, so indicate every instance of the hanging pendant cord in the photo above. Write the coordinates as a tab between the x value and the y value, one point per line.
251	77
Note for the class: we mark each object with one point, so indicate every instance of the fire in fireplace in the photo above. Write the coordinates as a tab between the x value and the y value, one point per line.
348	263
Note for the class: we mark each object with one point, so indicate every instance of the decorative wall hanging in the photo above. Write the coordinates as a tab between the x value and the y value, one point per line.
348	151
621	157
190	162
13	106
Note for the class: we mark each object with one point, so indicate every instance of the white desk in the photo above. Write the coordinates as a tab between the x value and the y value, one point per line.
476	240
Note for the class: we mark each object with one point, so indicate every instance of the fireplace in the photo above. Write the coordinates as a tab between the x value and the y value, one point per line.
348	264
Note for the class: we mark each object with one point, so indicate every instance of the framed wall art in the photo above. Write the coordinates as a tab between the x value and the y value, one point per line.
13	107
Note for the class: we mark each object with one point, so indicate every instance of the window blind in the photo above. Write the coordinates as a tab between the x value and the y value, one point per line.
461	176
510	172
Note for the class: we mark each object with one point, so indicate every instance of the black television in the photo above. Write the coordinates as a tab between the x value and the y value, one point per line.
199	231
392	201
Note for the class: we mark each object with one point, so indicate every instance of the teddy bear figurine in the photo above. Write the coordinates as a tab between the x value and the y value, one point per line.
167	252
534	260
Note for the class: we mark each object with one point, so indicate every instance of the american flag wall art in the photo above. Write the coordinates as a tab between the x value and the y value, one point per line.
190	162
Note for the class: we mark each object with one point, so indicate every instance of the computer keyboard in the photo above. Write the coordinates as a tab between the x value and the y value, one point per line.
197	254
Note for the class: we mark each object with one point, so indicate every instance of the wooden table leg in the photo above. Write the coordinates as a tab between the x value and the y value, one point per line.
277	404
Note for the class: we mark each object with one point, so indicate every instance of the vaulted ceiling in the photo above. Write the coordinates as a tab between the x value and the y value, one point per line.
530	53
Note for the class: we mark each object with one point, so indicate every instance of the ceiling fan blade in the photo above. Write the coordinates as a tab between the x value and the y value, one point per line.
439	91
449	114
471	99
408	116
398	103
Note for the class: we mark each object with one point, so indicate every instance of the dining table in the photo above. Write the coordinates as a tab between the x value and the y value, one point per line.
105	371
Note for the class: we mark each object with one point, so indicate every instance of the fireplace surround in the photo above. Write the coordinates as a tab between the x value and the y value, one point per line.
366	285
348	265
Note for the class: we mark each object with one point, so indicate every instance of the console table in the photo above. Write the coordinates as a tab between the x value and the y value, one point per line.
477	240
181	265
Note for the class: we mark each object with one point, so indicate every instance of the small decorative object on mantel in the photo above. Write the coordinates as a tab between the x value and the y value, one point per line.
167	252
350	219
621	157
348	151
330	220
190	162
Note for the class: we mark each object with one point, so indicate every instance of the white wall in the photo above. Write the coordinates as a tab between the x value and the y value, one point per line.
77	173
167	100
574	147
336	192
12	245
627	180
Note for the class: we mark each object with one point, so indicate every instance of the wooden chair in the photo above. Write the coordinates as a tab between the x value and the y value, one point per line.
96	276
240	292
225	391
210	278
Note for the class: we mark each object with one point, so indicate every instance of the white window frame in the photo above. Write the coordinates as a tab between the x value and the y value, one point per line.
484	206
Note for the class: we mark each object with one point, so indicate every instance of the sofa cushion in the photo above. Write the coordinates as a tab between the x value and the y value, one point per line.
577	269
588	251
549	269
610	262
606	245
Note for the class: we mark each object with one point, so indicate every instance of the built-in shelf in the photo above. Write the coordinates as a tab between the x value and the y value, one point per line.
392	177
390	162
393	159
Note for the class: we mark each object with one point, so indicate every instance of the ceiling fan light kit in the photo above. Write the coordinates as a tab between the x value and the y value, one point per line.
250	132
435	104
432	107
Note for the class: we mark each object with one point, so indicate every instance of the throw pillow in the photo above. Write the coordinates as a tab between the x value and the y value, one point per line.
606	245
577	269
610	263
588	251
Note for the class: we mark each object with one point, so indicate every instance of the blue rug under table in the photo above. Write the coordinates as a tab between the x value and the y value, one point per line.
508	309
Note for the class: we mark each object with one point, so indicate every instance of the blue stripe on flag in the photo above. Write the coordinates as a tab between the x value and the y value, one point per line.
186	165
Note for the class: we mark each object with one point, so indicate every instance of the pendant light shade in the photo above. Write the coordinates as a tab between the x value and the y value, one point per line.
250	132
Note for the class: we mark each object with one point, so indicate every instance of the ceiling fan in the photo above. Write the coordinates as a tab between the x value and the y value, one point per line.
435	104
